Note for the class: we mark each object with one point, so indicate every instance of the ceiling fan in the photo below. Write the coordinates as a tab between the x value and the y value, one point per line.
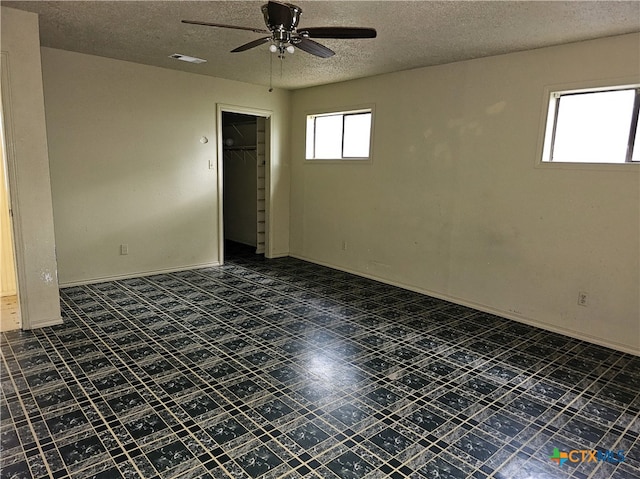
282	20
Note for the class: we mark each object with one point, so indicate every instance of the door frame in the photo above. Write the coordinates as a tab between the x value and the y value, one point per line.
9	176
267	115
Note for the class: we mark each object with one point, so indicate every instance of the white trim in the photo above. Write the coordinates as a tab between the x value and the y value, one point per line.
220	108
277	255
546	116
14	193
46	323
484	308
118	277
337	110
362	108
49	322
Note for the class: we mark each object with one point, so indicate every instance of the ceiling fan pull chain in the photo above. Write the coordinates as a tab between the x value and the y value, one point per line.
270	72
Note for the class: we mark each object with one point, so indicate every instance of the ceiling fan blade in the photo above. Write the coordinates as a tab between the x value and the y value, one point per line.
339	32
222	25
252	44
314	48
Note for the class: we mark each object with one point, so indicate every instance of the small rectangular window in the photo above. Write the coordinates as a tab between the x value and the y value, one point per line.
594	126
339	136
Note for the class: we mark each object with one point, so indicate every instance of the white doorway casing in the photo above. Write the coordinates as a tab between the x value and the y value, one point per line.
10	309
13	235
261	114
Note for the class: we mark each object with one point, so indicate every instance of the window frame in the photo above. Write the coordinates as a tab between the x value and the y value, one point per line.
552	95
344	112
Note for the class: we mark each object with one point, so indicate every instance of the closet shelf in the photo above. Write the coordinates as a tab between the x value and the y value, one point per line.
239	148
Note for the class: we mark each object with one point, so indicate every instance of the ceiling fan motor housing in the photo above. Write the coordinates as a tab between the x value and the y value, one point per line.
281	16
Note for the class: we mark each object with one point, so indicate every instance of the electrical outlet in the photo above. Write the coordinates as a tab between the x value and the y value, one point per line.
344	246
124	249
583	298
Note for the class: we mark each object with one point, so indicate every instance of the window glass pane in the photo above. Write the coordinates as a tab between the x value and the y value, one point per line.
357	133
593	127
328	142
310	134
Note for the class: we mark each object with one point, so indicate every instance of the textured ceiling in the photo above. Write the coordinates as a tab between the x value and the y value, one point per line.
411	34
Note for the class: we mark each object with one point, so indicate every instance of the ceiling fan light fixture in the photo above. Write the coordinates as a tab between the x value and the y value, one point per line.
273	48
290	49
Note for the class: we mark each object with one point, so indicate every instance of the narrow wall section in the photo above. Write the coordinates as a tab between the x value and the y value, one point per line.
28	161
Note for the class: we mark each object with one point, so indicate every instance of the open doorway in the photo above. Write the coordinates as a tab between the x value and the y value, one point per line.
10	317
244	145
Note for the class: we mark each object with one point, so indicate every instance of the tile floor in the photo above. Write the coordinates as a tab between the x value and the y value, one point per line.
282	368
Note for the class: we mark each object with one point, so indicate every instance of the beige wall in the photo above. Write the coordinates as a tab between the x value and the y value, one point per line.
128	167
27	157
453	203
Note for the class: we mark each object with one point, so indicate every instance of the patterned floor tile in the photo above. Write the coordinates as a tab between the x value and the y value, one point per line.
286	369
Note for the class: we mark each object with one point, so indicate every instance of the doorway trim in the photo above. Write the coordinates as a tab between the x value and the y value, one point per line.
267	114
10	168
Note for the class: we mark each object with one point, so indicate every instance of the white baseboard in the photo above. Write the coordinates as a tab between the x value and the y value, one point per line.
138	274
44	324
484	308
277	255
